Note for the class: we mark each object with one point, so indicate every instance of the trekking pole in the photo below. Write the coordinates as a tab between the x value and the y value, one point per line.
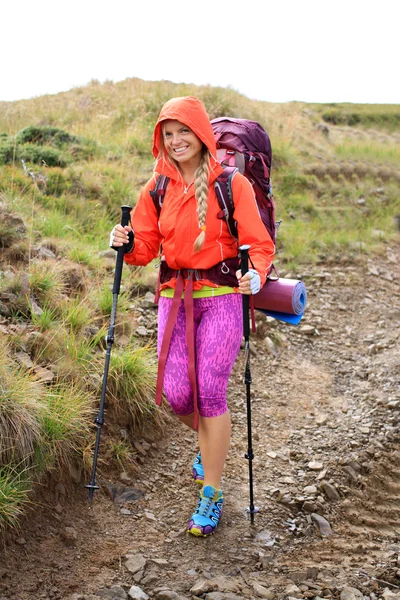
244	267
110	340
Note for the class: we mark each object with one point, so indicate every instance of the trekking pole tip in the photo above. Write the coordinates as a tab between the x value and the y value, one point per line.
252	511
91	487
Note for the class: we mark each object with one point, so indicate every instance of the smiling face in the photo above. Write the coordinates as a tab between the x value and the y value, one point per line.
181	144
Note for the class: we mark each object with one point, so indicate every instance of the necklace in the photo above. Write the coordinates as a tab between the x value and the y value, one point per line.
186	187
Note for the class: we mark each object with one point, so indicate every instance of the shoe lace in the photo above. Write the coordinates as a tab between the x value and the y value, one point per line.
204	506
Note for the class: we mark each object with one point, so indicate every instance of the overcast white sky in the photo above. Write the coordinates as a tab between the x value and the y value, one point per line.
281	50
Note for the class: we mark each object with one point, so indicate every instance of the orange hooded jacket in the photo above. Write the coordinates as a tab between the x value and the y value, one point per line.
177	227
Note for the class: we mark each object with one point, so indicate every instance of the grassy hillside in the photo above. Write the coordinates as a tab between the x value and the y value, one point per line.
67	163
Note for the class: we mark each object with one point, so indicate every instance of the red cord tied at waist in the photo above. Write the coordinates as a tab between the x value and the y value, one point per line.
181	277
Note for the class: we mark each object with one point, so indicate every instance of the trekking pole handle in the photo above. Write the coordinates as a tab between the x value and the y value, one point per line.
244	258
126	214
244	267
125	219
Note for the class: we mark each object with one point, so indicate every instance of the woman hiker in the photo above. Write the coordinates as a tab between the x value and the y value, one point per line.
200	330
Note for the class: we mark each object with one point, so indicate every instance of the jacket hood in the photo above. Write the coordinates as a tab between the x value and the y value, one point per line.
191	112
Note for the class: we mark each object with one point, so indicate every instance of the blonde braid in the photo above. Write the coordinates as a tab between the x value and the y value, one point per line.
201	193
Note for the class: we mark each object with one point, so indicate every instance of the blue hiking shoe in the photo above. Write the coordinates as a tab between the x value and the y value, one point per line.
197	469
205	519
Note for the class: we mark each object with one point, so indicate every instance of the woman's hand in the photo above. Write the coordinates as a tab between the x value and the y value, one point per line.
121	236
249	283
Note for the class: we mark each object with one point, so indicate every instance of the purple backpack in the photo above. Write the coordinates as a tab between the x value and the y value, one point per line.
244	144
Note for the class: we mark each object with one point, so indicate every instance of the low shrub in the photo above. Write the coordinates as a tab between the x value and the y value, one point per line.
36	134
31	153
8	152
47	145
11	153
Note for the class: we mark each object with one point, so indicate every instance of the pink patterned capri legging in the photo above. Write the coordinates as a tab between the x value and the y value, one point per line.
218	330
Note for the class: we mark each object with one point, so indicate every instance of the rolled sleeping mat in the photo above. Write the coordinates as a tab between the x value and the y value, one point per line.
283	299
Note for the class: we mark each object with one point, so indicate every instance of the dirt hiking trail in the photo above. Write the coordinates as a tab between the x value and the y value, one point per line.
325	402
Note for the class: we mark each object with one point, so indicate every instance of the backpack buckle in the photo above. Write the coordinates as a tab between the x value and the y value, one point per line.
186	273
198	274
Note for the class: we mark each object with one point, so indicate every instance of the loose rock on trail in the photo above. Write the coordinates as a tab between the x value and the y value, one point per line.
325	404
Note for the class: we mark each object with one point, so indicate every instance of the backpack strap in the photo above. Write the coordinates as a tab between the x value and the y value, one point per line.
223	190
159	192
157	196
252	159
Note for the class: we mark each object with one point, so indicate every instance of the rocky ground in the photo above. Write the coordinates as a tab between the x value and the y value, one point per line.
326	401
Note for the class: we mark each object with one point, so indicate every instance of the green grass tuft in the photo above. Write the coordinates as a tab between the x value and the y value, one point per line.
65	422
14	495
131	386
46	281
20	405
